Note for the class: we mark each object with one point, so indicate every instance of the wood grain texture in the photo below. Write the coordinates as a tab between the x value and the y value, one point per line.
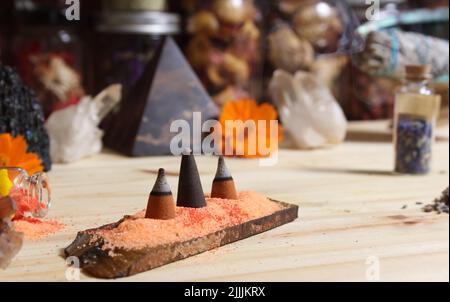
351	211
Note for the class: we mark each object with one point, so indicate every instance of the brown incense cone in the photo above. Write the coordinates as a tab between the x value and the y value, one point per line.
161	204
7	208
223	185
190	191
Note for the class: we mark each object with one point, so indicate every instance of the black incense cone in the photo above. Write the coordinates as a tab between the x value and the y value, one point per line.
223	185
160	203
190	191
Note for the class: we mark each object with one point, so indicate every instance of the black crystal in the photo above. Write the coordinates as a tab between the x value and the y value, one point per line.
21	114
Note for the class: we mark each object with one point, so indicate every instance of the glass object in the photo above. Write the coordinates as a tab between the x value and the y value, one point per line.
364	9
136	5
3	43
5	29
328	25
125	44
42	30
32	194
224	47
415	115
315	36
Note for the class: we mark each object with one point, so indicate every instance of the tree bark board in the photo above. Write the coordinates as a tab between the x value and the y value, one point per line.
99	263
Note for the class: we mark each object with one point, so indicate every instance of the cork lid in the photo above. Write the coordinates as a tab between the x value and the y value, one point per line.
418	72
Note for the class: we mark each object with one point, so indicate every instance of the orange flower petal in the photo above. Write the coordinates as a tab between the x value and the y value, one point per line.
13	152
267	112
18	149
248	110
5	143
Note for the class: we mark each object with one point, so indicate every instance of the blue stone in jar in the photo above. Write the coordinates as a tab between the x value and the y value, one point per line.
414	145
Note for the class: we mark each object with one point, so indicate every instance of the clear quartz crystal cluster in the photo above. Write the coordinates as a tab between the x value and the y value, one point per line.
74	132
308	110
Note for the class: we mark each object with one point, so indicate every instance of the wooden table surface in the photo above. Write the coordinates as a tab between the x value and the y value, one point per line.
353	219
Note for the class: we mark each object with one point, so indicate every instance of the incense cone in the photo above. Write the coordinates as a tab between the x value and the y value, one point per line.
190	191
223	184
8	208
161	204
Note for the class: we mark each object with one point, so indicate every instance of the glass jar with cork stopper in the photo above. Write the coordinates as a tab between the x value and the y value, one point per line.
415	116
224	47
28	196
133	37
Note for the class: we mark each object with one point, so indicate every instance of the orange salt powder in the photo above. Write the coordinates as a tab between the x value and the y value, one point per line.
34	229
136	232
25	203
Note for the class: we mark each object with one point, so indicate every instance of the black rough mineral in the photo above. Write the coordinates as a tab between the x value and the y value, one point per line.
21	114
440	205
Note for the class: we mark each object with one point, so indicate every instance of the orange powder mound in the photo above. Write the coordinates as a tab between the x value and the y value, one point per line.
34	229
136	232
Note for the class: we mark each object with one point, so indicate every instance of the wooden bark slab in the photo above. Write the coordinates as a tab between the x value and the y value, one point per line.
101	264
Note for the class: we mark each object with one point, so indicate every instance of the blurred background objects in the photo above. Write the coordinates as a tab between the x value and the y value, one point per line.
233	45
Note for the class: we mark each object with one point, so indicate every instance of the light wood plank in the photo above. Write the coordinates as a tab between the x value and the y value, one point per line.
351	209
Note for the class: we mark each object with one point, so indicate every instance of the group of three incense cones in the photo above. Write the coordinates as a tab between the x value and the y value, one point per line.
161	204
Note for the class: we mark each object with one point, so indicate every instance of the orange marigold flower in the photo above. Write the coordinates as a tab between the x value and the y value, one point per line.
14	153
248	139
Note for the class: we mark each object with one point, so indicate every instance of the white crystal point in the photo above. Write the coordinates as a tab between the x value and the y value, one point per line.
308	110
74	132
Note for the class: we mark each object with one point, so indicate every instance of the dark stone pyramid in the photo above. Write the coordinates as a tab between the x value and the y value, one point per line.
167	91
21	114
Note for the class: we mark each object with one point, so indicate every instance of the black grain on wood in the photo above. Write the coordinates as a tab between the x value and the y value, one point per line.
440	205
